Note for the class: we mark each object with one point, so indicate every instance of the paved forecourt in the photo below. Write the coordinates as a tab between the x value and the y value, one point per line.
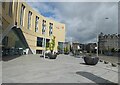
64	69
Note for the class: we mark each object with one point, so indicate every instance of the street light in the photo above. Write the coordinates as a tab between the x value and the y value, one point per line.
98	37
97	45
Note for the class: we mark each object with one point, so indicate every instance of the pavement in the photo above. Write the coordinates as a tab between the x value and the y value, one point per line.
112	59
0	72
64	69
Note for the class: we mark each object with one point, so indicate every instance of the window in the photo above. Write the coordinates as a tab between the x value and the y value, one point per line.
29	19
3	5
43	26
50	29
39	41
38	51
47	43
36	24
22	14
10	8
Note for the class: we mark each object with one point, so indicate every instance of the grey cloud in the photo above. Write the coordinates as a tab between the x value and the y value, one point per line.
84	19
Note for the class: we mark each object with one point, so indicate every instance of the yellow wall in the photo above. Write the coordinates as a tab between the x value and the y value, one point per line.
30	34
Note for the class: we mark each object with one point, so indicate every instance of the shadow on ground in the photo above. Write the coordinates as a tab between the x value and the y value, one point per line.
8	58
96	79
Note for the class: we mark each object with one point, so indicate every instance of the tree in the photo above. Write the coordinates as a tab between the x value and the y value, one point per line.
66	49
52	44
47	45
58	48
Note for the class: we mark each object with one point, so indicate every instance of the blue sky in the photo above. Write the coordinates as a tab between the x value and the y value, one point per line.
83	20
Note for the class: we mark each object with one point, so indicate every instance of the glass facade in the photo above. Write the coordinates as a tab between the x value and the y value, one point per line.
60	47
3	5
11	43
39	42
47	42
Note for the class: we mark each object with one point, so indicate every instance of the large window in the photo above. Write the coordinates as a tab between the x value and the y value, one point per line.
39	41
47	43
61	47
10	8
3	5
36	24
38	51
29	19
43	26
50	29
22	14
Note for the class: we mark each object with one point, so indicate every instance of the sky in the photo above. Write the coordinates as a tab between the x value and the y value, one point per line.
83	20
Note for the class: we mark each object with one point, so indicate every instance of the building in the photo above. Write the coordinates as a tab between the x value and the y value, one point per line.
90	47
23	27
67	45
108	42
76	46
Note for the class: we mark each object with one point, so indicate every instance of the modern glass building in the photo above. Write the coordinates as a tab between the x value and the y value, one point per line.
24	28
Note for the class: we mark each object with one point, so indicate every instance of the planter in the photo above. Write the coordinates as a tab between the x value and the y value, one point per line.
52	56
57	53
106	62
66	53
91	60
114	65
101	60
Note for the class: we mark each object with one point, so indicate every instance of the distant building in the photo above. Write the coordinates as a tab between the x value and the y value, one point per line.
67	45
90	47
108	42
76	46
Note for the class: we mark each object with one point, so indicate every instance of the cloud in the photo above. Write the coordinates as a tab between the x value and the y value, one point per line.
83	20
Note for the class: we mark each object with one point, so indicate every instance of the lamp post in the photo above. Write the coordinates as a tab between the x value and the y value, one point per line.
96	40
98	37
97	45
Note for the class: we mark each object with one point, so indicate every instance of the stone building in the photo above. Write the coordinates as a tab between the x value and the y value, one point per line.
108	42
90	47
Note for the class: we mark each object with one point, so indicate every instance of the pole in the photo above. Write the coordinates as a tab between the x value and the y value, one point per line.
96	38
97	45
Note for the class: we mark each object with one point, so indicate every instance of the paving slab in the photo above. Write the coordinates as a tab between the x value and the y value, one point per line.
64	69
0	72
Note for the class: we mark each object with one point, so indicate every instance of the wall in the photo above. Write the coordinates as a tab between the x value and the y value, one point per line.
30	34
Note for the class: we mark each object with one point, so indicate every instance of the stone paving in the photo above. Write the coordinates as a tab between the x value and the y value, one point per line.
0	72
64	69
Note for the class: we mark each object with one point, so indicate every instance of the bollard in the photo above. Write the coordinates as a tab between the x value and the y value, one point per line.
113	64
106	62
